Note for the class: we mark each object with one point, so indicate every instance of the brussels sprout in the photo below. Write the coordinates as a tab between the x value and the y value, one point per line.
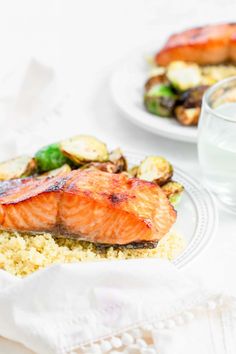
58	171
173	191
118	159
133	171
187	109
193	97
84	148
50	158
188	116
155	80
155	169
109	167
160	100
18	167
184	75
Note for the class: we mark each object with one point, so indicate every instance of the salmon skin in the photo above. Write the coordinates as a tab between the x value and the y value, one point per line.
91	205
213	44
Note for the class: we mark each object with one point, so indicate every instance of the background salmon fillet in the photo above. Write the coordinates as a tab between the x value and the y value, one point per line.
203	45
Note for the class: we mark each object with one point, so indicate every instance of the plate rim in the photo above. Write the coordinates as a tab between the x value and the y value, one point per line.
198	244
135	117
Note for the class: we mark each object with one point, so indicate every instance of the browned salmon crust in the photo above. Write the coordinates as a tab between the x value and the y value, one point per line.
93	205
213	44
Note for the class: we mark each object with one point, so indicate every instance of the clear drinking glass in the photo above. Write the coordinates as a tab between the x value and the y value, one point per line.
217	141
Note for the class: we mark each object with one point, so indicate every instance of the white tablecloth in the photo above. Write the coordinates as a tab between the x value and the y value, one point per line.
83	41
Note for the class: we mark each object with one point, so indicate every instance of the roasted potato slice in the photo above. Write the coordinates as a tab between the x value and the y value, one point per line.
183	75
82	149
58	171
117	158
50	158
160	100
173	191
22	166
155	169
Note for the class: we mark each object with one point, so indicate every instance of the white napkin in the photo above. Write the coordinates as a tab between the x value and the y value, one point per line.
114	306
31	97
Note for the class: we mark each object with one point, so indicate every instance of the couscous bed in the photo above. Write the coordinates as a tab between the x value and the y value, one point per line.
22	254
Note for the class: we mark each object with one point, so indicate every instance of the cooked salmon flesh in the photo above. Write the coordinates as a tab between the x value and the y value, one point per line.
213	44
92	205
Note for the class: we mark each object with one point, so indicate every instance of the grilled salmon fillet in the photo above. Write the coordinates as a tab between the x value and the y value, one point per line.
92	205
213	44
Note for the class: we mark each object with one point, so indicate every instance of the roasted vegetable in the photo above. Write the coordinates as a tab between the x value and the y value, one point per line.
18	167
50	158
173	191
188	106
193	97
118	159
155	169
58	171
160	100
109	167
133	171
187	116
155	80
184	75
82	149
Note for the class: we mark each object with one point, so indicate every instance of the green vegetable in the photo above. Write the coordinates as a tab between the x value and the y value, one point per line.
156	80
118	159
57	172
22	166
108	167
50	157
82	149
187	116
173	191
160	100
155	169
133	171
184	76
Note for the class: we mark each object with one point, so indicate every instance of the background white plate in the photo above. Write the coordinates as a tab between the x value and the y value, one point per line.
127	86
197	215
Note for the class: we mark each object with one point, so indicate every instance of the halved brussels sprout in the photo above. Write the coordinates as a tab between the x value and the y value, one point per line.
109	167
22	166
84	148
173	191
118	159
184	75
133	171
155	80
160	100
155	169
193	97
58	171
188	116
50	158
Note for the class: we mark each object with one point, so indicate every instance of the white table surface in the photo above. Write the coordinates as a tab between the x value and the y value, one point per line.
84	40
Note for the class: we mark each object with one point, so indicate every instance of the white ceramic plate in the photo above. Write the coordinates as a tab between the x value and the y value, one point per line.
197	217
127	85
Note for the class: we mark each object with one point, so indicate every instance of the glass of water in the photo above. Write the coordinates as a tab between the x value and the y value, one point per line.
217	141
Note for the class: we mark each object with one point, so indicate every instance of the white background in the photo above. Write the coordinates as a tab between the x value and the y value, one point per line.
84	41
